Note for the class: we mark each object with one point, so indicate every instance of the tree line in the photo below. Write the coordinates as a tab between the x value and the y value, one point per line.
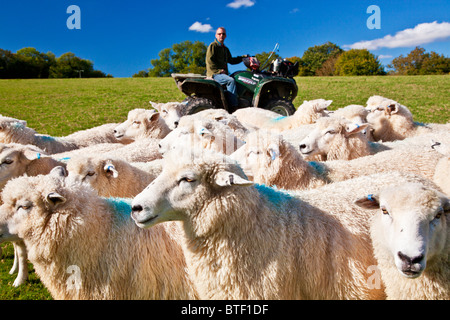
29	63
322	60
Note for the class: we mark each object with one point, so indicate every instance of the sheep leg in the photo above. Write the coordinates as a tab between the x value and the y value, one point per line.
20	253
15	266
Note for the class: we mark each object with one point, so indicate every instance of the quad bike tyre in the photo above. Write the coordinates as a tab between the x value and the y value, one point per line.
280	106
198	104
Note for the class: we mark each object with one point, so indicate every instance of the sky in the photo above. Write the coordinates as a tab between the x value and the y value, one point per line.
122	37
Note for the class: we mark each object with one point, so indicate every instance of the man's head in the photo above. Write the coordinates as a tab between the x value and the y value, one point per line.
221	34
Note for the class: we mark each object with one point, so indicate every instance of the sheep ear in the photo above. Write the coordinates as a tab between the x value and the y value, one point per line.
58	172
154	105
355	128
202	131
392	108
369	202
31	154
324	105
110	170
226	178
274	151
55	199
154	116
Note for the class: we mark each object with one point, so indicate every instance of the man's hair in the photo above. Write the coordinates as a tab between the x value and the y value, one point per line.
221	28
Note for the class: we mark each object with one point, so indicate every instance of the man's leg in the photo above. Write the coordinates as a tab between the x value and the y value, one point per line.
231	87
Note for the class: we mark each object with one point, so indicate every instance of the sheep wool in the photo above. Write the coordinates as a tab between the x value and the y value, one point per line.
83	246
253	242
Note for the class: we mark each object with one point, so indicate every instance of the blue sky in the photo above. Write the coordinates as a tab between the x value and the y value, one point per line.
121	37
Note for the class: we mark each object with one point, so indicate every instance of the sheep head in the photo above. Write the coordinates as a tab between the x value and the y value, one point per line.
411	227
170	112
141	123
14	159
329	139
187	186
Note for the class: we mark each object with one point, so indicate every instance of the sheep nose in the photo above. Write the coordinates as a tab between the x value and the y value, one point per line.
136	208
115	131
302	146
408	260
176	124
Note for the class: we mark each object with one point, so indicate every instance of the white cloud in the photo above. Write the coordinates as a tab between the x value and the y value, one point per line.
197	26
295	10
385	56
236	4
420	34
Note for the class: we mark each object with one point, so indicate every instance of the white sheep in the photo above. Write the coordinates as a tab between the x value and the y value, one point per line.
355	113
141	124
18	160
336	139
246	241
442	173
389	121
84	246
221	115
101	134
171	112
113	177
411	239
199	132
16	131
306	113
268	159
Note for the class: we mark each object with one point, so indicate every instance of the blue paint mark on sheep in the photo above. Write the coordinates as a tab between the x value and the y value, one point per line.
278	119
320	168
120	206
277	197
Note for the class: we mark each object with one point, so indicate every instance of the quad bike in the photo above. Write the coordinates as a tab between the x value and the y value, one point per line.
273	90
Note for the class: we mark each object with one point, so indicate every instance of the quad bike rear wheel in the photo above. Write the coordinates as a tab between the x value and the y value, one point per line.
198	104
280	106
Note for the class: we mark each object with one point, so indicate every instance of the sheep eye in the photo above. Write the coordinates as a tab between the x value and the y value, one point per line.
186	179
91	173
165	111
384	211
24	207
7	161
439	214
330	132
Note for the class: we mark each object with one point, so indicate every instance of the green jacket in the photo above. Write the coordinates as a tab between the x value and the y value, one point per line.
217	57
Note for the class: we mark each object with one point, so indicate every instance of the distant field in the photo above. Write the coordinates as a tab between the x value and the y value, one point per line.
61	106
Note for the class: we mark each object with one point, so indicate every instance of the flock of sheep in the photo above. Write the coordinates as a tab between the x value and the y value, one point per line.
345	204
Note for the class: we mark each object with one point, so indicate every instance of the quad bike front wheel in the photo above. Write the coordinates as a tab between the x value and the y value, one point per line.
281	106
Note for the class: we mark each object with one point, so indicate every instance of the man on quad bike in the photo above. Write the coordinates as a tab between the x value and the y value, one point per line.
217	58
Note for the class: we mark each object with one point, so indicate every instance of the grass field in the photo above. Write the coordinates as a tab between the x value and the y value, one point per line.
61	106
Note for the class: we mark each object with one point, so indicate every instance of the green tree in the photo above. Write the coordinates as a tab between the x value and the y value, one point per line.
69	65
419	62
34	64
314	57
184	57
358	62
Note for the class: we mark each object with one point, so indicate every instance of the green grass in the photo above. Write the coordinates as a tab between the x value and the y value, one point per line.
61	106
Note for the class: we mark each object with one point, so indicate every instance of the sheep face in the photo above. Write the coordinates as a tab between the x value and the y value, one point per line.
411	227
170	112
13	161
93	171
30	205
262	150
328	134
9	127
185	188
138	124
208	134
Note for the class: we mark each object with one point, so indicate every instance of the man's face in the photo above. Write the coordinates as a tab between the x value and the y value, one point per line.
221	35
